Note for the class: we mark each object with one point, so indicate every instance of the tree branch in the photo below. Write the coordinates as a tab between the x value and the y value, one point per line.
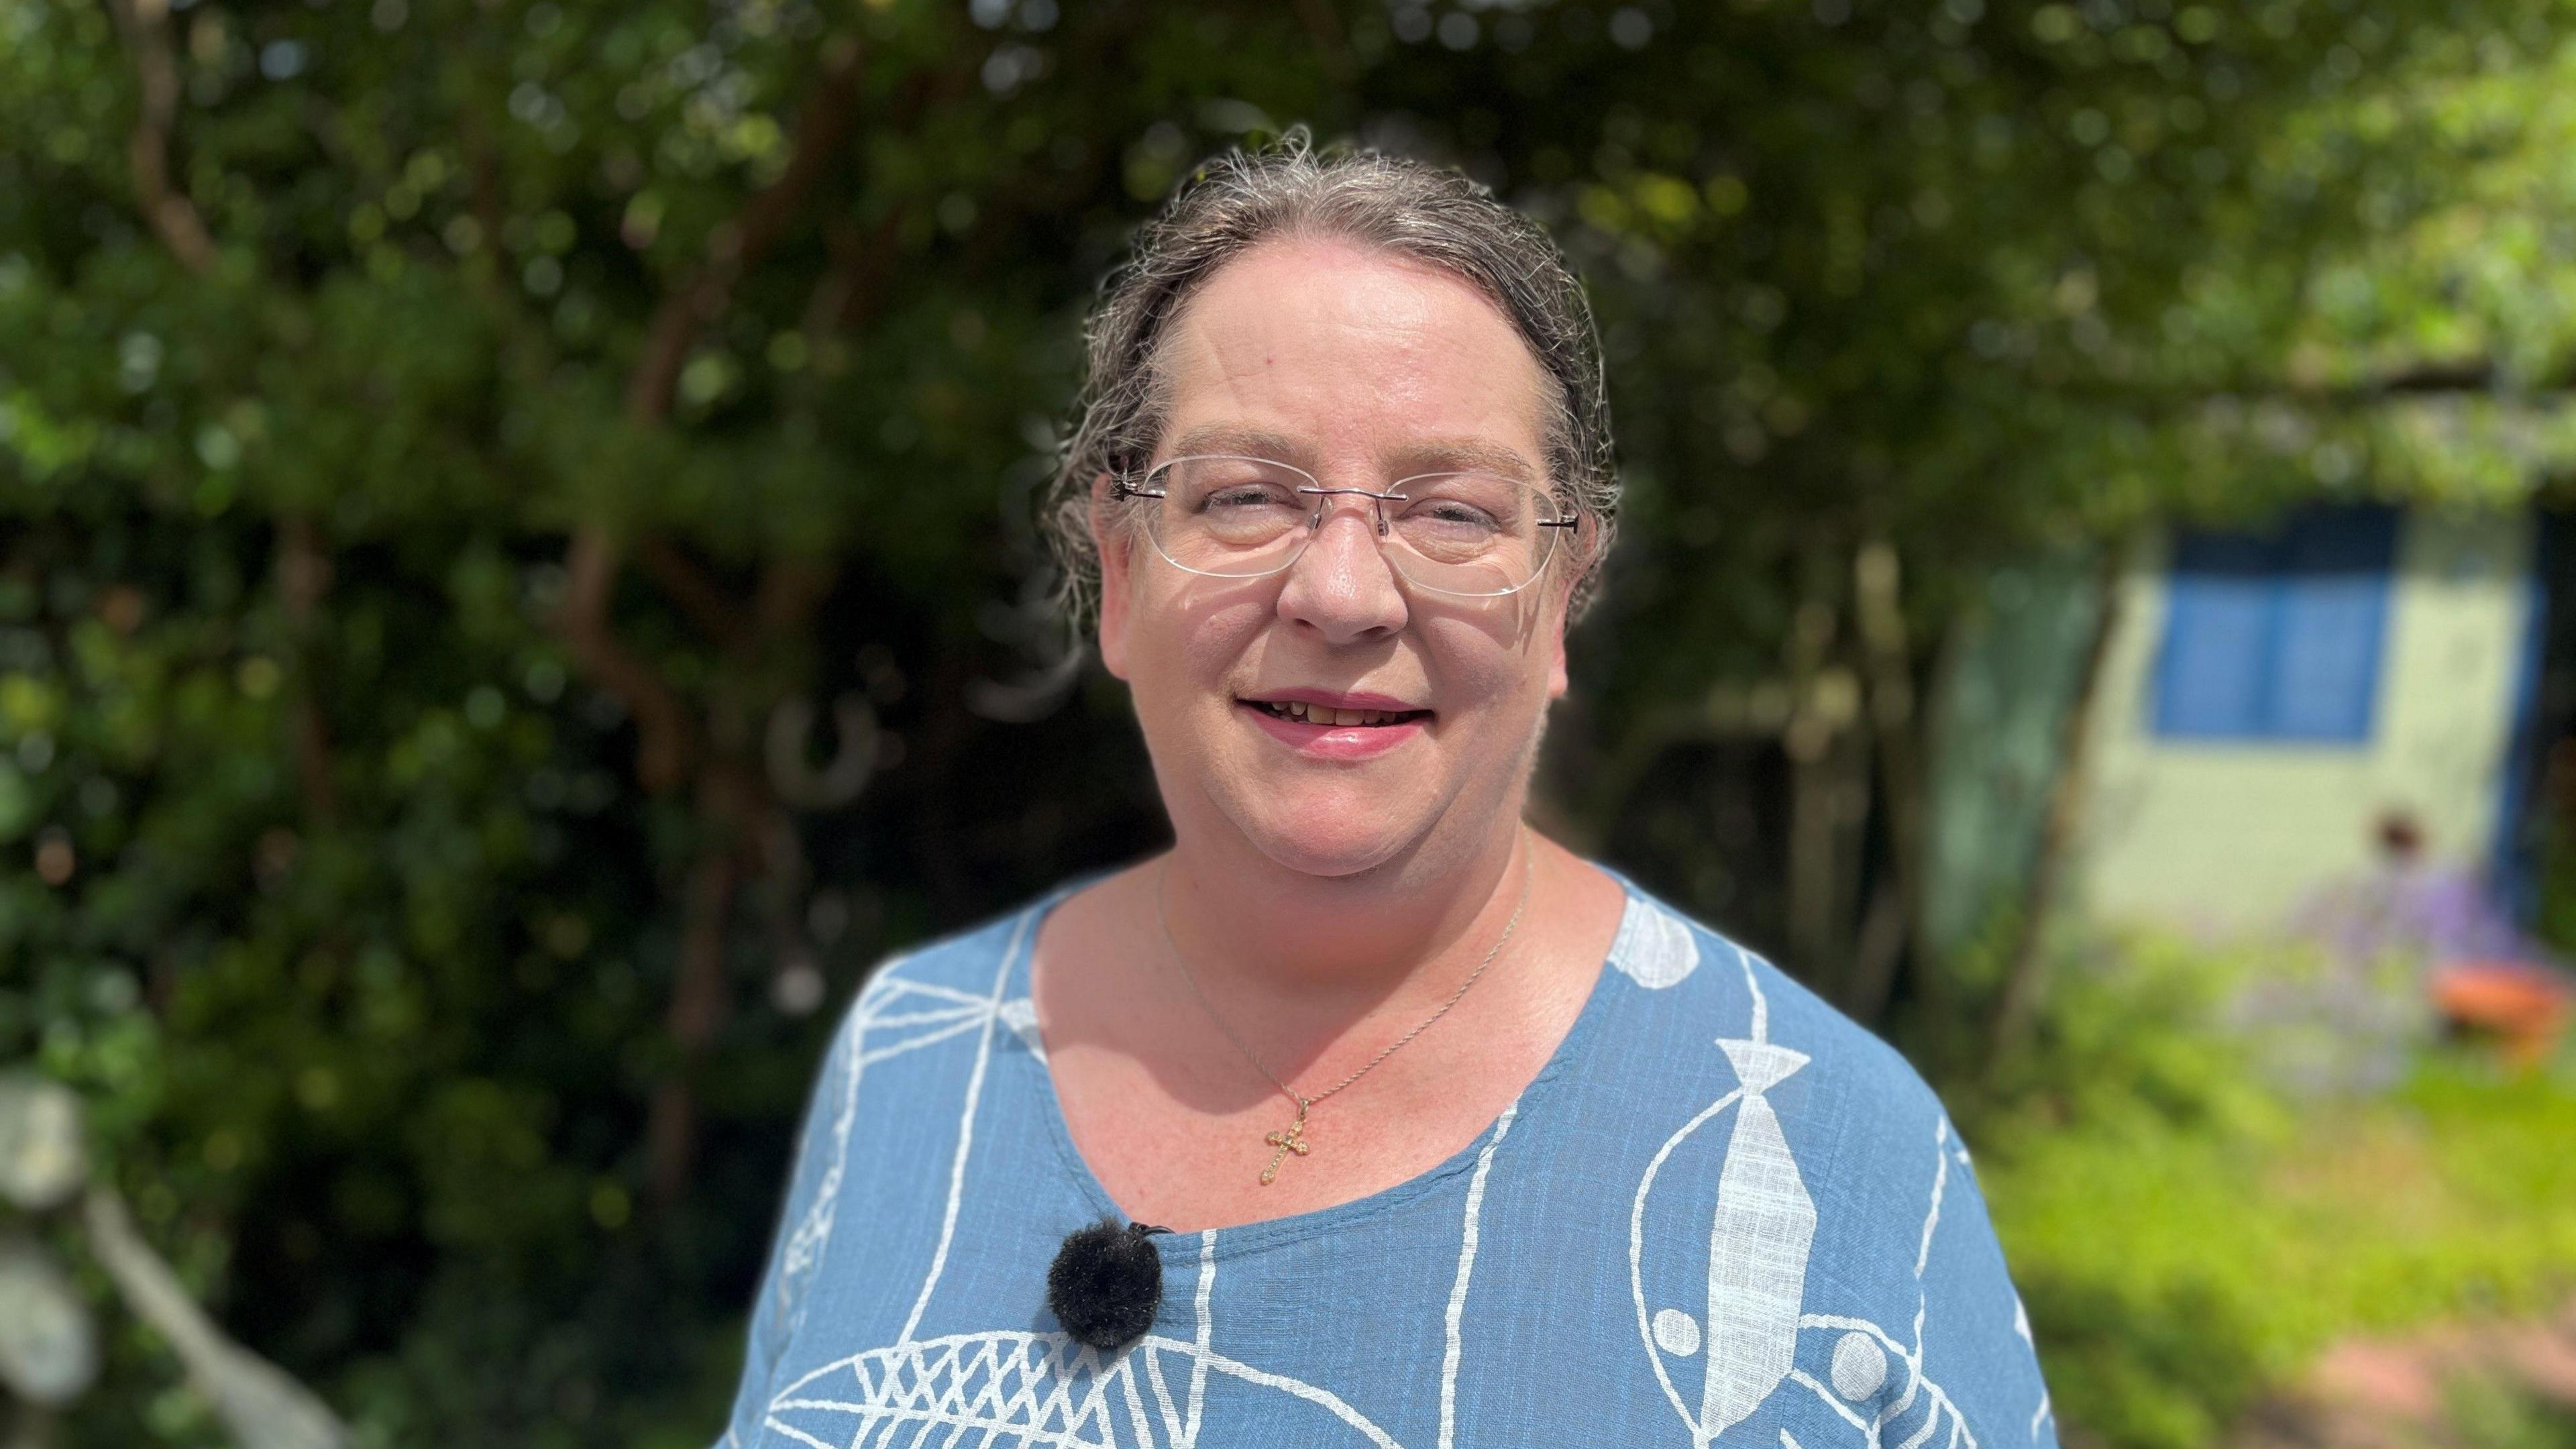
1331	46
591	562
147	151
730	800
844	291
697	593
666	739
790	591
303	566
699	1001
738	245
1887	926
303	577
2459	377
253	1399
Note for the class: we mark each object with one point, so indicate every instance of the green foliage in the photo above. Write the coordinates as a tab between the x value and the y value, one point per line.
443	443
2186	1239
2488	1414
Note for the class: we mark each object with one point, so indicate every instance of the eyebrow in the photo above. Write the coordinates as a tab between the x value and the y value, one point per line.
1437	455
1228	440
1464	455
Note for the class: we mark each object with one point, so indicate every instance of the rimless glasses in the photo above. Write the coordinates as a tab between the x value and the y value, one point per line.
1472	535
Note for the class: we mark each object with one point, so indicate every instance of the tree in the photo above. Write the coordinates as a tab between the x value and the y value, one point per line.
517	582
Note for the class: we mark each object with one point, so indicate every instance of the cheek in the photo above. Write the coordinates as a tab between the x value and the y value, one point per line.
1188	648
1219	639
1487	671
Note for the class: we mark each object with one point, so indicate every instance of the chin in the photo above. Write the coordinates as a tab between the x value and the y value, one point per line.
1330	836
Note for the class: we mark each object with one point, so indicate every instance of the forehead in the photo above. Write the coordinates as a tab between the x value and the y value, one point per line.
1354	356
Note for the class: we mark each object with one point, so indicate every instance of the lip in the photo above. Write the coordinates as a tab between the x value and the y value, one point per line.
1334	742
1330	700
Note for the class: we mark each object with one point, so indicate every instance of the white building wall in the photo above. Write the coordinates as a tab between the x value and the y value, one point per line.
2235	836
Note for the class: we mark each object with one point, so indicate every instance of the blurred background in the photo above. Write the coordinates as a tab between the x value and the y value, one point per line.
517	585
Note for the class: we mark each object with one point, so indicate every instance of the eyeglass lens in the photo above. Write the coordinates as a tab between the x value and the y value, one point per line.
1460	533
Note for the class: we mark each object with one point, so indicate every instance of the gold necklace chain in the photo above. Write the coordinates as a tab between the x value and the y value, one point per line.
1292	1138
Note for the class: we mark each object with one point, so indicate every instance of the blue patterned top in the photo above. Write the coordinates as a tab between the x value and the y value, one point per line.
1721	1214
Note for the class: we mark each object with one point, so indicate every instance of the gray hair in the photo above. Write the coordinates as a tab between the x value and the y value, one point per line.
1423	213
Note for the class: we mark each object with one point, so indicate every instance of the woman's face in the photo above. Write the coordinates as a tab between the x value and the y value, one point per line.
1361	369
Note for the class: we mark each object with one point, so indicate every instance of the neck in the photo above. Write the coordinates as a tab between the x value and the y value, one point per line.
1281	936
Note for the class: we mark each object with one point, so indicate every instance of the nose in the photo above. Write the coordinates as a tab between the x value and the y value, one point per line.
1340	585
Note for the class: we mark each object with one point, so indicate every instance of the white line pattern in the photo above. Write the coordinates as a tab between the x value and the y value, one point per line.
1455	1319
966	1123
1040	1388
994	1387
873	1018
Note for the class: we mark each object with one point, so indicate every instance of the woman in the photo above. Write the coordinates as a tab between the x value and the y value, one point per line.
1448	1137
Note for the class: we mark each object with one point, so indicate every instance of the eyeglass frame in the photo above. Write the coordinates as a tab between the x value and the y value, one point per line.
1122	489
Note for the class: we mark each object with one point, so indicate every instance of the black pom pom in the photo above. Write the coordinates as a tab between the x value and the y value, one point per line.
1105	1283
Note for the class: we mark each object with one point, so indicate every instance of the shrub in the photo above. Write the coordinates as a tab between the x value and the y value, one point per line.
2187	1237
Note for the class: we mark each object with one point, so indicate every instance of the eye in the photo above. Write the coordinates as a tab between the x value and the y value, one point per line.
1451	512
1464	502
1221	486
1253	494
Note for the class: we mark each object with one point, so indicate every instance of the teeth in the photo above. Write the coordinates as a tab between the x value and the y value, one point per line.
1332	718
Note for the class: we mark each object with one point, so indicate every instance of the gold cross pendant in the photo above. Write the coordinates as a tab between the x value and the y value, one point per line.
1291	1138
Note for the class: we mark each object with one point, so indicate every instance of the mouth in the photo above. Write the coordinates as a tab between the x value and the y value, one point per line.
1328	716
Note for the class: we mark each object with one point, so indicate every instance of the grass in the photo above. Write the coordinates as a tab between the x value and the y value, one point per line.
2187	1239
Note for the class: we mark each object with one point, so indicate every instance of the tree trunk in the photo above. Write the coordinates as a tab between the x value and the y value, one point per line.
2026	965
303	578
1816	718
700	997
1886	927
255	1401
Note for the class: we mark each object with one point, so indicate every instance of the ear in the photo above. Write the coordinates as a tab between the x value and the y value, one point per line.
1556	604
1553	625
1109	545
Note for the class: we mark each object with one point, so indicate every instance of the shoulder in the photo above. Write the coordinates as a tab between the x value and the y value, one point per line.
1861	1146
1708	986
965	959
949	983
